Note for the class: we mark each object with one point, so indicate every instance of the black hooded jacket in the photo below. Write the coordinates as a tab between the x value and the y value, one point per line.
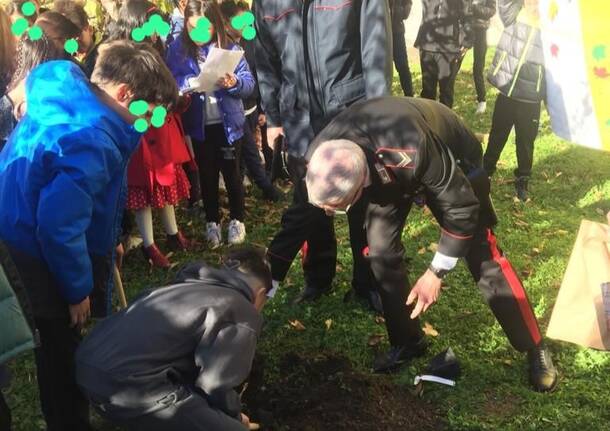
200	332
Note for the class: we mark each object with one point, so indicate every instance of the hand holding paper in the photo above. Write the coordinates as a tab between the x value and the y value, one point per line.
218	68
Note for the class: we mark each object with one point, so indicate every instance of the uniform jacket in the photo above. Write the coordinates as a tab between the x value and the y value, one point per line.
416	146
61	175
338	51
16	318
229	101
482	11
517	69
201	332
446	26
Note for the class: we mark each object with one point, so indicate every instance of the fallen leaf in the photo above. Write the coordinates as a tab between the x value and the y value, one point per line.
433	247
558	174
526	273
375	339
429	330
379	320
328	324
536	250
297	325
562	232
445	286
421	250
508	362
521	222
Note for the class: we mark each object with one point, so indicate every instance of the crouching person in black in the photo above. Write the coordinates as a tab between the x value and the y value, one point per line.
172	359
390	151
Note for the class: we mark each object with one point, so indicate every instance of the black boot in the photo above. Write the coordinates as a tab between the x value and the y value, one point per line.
521	188
399	355
543	374
370	297
310	294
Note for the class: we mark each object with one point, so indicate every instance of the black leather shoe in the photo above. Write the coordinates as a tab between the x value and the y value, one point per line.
543	374
399	355
521	188
370	297
310	294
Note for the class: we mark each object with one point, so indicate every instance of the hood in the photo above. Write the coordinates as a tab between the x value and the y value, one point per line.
60	102
200	272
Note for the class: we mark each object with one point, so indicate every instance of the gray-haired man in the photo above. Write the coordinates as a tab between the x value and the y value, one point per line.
387	151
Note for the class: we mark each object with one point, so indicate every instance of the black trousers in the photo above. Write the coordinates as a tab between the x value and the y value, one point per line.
215	155
5	411
306	226
439	69
251	157
401	60
489	267
63	405
525	117
478	68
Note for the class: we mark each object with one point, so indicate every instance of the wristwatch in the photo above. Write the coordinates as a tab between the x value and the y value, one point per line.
440	273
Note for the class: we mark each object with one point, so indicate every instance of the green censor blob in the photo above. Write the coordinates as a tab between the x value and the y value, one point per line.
599	52
158	116
138	107
28	8
35	32
141	125
249	33
244	23
148	28
19	27
137	34
202	33
71	46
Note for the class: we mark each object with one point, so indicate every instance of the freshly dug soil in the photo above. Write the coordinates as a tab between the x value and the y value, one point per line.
324	393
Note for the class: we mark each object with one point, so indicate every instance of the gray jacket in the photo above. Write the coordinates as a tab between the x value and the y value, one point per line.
334	52
200	333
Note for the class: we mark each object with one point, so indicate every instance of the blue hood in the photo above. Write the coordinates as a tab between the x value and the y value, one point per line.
61	175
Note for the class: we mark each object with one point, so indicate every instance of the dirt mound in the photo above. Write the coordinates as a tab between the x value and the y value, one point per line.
324	392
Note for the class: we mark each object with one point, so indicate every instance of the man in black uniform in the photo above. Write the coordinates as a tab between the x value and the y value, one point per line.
172	359
389	151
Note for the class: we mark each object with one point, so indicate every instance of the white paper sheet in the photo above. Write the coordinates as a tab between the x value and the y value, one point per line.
218	63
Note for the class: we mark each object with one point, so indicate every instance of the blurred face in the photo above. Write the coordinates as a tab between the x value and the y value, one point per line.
192	25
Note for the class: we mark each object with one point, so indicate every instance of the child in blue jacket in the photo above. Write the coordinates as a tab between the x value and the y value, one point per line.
215	120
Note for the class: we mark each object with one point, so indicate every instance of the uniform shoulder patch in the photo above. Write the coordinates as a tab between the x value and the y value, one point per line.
397	158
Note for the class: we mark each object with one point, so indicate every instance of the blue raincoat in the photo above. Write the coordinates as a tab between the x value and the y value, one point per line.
62	175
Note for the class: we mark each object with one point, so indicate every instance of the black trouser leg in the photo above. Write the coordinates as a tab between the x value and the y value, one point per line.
251	156
429	74
63	405
302	222
503	291
502	122
478	68
401	60
233	180
526	129
207	156
5	414
449	66
384	225
362	278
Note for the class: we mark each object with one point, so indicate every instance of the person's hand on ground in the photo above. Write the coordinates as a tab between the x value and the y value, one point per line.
80	313
273	133
426	291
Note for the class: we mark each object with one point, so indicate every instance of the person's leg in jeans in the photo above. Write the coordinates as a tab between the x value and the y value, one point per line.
401	60
449	66
526	130
429	74
502	122
479	52
207	154
63	405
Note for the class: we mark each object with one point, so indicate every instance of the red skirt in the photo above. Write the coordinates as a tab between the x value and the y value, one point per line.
141	197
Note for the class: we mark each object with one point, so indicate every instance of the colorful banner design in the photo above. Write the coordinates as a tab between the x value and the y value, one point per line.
576	40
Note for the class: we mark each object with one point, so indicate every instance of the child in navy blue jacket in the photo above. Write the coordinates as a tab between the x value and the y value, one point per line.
215	120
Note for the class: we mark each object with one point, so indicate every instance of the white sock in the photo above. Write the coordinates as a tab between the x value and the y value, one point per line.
168	217
145	226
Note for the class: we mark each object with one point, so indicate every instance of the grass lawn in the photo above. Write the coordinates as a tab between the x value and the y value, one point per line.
569	183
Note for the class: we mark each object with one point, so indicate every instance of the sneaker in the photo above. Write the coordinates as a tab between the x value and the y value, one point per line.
481	108
237	232
178	242
155	256
521	188
543	374
213	234
399	355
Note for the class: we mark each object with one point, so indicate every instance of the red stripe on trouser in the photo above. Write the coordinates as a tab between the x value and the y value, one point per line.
304	250
516	287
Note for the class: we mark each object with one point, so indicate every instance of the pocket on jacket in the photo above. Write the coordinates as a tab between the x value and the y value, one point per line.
348	91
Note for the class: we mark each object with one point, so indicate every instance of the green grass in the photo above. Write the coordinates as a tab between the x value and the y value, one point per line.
569	183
